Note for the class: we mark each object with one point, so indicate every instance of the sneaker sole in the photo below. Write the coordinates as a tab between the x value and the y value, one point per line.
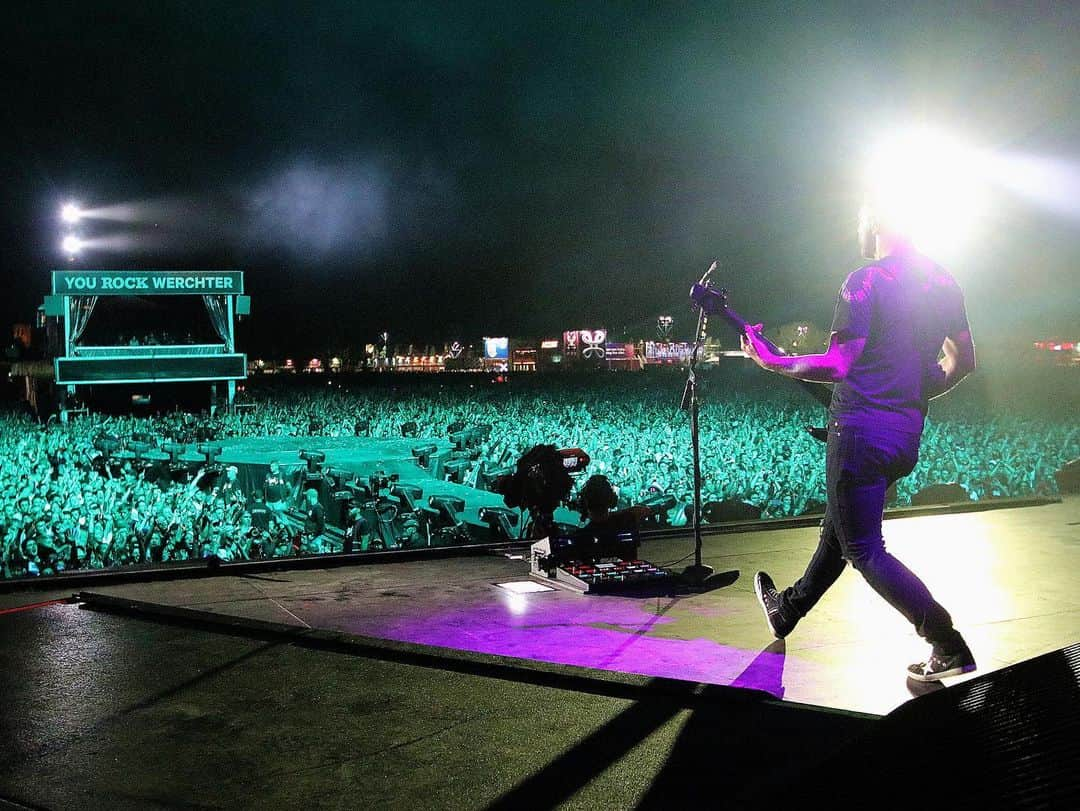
764	610
944	674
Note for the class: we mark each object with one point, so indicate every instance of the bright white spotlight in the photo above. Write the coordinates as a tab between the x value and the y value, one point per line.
71	213
929	186
71	244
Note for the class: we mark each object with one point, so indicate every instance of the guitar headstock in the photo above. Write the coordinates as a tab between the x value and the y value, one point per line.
708	298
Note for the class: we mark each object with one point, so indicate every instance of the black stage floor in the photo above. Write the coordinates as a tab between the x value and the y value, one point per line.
115	712
425	684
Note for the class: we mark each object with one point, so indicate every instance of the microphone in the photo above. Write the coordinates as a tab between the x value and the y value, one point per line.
708	272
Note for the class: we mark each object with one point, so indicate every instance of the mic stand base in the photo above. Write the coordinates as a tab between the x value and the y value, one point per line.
697	574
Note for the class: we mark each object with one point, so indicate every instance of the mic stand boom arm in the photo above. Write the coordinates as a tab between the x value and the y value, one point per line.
698	572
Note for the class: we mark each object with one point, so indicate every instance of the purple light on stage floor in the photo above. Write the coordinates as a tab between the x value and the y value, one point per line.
628	635
515	591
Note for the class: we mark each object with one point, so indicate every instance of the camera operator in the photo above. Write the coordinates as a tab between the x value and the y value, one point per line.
356	536
598	499
275	540
411	532
314	519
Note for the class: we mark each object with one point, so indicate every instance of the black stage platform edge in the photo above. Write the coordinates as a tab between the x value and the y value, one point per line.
547	674
1009	739
11	805
212	567
194	569
762	524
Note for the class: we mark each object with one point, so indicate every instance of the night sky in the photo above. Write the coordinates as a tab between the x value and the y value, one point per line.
448	170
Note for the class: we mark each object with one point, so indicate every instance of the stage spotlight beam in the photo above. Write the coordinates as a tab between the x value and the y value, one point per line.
71	245
71	213
930	185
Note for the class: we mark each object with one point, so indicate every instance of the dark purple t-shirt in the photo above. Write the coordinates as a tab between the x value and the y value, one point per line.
904	306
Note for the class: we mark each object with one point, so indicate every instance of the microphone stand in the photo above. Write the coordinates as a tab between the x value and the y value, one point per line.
699	572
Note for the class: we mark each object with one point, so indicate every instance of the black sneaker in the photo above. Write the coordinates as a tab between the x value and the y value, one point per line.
939	666
769	598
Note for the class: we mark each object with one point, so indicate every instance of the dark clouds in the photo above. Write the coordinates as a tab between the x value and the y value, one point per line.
428	167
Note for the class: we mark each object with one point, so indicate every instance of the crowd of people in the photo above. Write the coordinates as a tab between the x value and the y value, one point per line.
64	504
64	507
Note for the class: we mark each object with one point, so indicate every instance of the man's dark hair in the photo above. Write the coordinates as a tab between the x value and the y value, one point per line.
597	494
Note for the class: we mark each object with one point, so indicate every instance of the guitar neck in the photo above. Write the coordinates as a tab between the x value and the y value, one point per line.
739	324
819	391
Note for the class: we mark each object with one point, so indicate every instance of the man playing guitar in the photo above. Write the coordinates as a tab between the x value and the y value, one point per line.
894	318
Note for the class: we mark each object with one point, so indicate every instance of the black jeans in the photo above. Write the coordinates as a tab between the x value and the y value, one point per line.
861	463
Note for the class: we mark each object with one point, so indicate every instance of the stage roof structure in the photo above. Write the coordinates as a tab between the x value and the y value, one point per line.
75	294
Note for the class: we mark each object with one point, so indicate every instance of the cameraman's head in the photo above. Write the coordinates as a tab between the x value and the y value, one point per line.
597	498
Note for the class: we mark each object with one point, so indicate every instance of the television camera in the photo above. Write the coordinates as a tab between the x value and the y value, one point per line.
540	483
314	461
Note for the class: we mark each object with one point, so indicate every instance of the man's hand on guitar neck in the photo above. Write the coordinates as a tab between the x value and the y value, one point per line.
755	348
828	367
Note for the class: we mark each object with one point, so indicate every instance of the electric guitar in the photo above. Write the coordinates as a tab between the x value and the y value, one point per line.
714	301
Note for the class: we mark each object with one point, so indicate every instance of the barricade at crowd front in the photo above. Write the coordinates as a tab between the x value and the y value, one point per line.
65	505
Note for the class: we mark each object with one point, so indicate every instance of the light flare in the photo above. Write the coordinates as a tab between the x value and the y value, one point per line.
929	185
71	213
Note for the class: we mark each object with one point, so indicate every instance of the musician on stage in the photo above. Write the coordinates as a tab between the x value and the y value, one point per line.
894	318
